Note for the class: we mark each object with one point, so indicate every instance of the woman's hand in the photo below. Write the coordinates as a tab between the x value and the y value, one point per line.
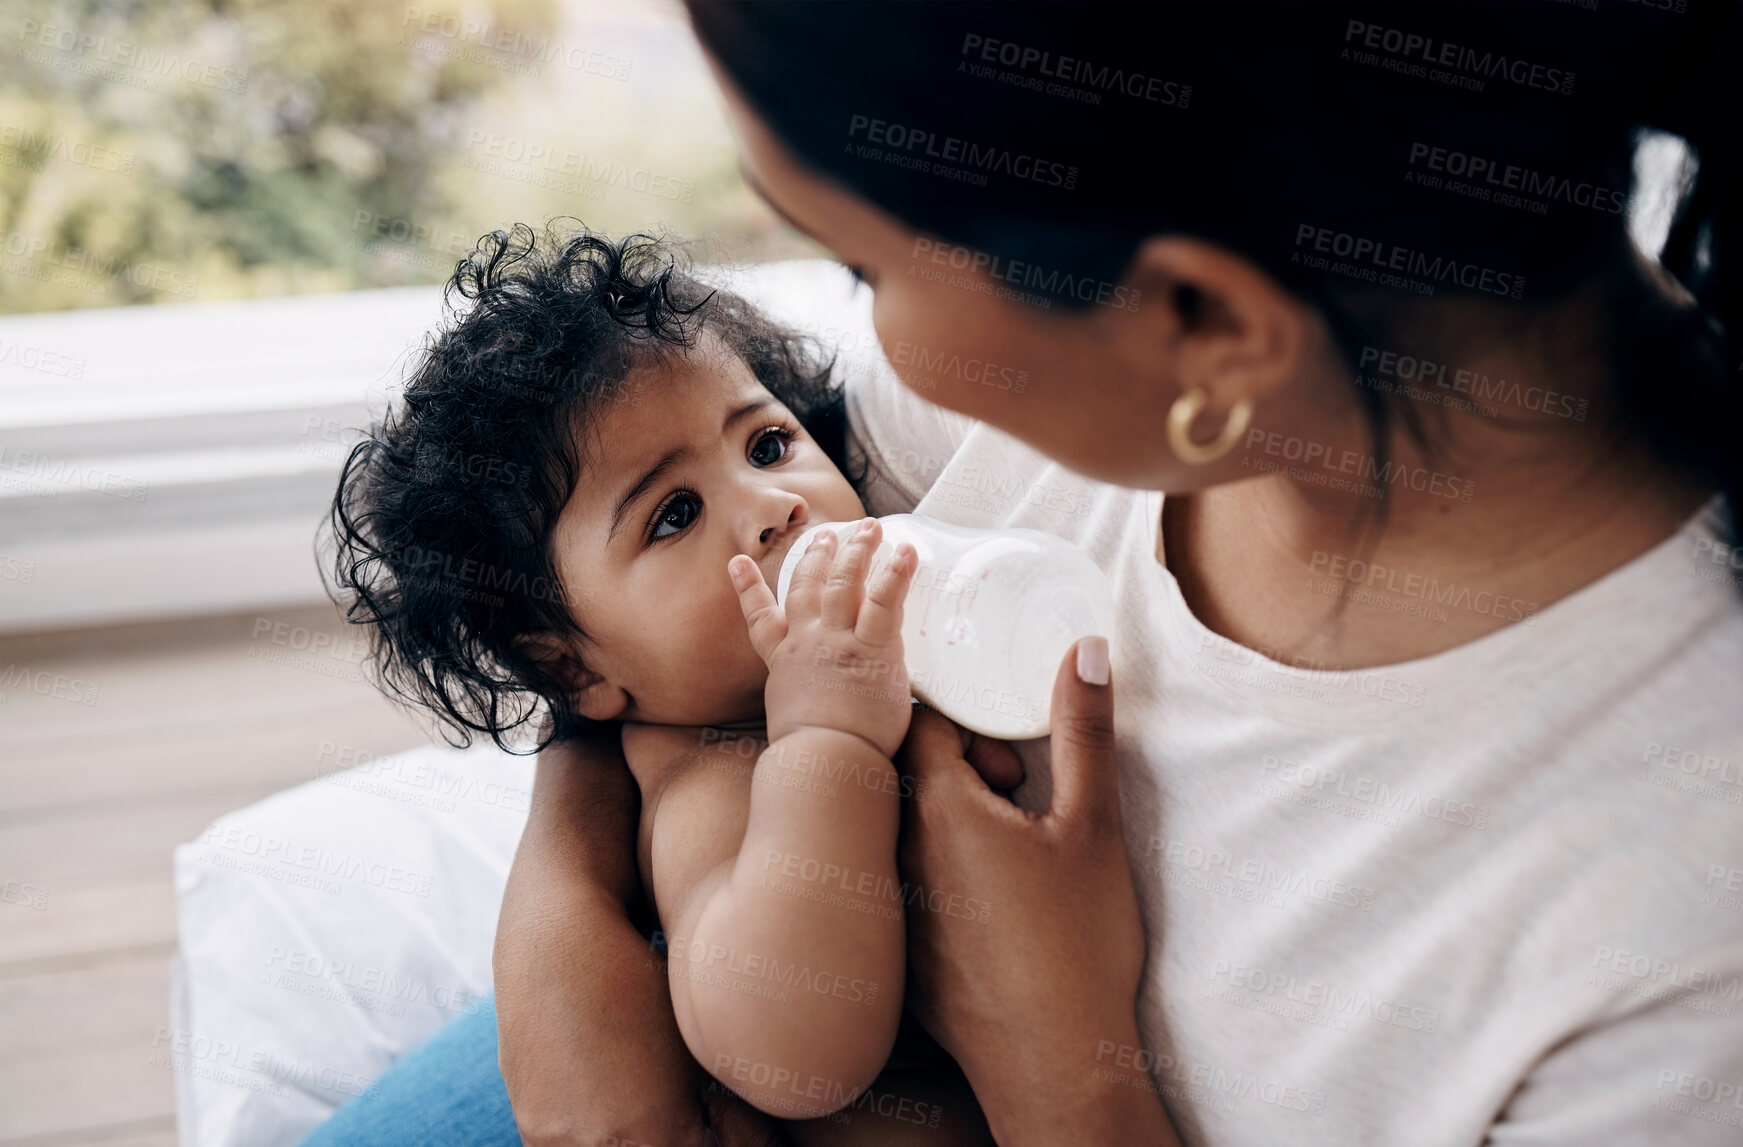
589	1047
1029	1000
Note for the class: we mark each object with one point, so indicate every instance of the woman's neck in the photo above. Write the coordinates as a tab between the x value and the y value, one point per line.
1497	525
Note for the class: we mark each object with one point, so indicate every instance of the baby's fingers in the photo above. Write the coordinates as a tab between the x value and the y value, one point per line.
880	617
762	614
805	589
842	592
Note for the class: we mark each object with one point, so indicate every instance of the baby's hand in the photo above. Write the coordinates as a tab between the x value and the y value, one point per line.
835	652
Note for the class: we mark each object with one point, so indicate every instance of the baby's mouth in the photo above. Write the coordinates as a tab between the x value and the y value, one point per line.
771	563
777	556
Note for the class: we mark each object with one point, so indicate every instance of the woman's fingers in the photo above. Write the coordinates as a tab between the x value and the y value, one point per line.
995	761
932	752
1086	783
845	584
948	760
880	615
763	616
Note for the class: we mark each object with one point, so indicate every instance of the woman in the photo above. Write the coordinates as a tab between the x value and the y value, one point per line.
1427	762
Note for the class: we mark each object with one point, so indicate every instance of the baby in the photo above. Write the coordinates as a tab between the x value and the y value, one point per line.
580	508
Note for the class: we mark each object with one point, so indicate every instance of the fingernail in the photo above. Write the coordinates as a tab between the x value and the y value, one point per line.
865	526
1092	661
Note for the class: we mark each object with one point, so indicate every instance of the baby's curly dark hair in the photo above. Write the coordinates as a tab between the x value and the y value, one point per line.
440	529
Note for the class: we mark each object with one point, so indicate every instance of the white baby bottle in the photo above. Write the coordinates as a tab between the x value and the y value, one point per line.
989	616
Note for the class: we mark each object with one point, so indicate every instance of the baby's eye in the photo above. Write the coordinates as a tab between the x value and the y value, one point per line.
677	513
761	455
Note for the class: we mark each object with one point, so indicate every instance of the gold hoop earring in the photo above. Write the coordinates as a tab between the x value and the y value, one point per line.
1185	412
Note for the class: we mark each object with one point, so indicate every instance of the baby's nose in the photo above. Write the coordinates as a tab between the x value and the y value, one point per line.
796	513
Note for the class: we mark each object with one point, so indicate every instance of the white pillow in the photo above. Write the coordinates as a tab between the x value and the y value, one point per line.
329	929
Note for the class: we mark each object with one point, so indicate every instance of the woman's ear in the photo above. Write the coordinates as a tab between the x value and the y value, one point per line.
591	694
1227	327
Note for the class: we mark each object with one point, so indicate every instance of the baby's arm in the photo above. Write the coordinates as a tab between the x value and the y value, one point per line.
787	940
809	987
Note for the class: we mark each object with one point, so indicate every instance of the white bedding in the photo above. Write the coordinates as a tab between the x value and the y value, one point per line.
330	928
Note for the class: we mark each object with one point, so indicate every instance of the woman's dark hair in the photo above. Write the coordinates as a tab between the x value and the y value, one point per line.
442	521
1477	150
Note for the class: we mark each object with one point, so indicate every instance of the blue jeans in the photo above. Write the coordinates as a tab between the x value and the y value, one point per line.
448	1090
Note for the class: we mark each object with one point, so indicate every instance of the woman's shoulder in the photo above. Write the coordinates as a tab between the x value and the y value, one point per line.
903	441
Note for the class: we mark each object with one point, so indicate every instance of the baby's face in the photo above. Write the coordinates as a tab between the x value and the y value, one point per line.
643	555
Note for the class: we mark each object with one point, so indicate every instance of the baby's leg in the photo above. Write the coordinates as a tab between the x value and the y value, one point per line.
920	1099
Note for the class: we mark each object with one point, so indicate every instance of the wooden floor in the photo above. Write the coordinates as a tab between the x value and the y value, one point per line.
187	720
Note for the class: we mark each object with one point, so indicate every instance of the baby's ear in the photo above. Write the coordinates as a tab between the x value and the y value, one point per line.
599	699
590	693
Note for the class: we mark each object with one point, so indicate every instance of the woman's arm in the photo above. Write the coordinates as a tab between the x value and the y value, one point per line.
1038	1002
589	1046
